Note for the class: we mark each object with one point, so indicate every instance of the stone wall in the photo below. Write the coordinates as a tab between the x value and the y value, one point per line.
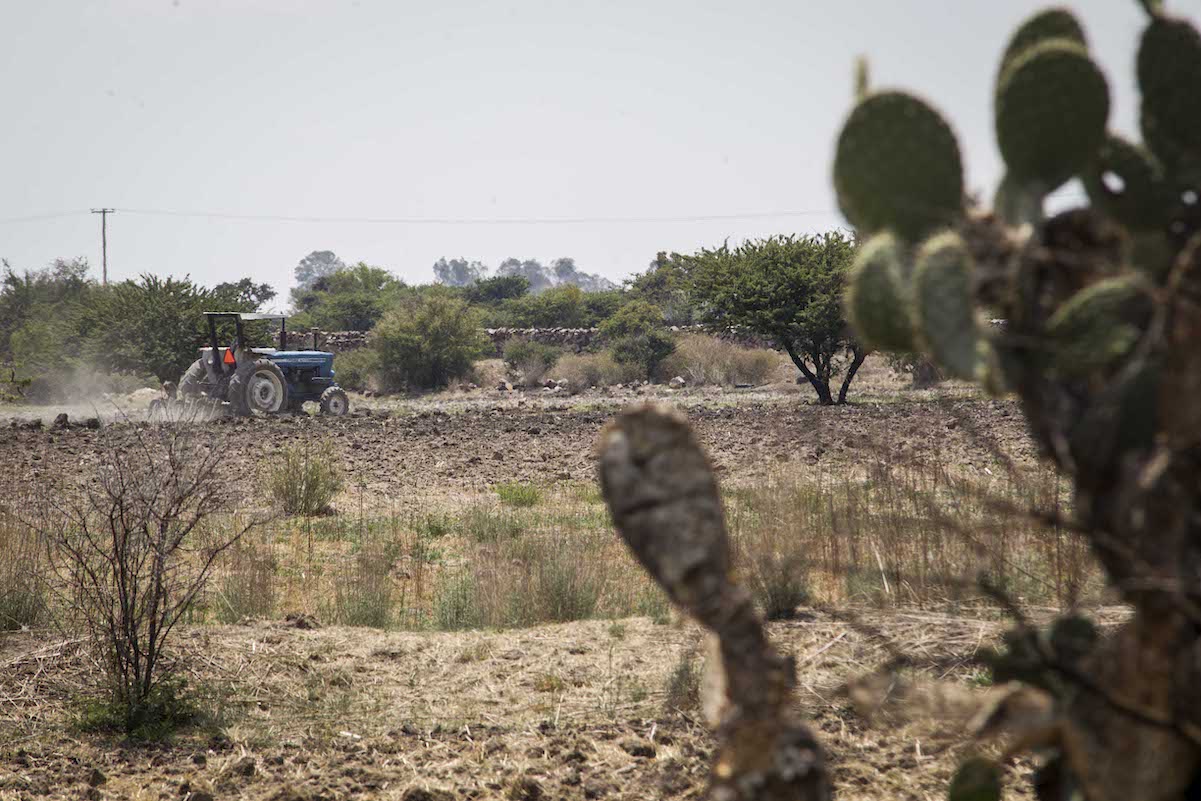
573	339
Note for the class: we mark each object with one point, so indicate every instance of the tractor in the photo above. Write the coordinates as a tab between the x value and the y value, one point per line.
261	380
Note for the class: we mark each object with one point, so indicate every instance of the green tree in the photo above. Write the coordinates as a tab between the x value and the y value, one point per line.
635	334
152	325
318	264
430	338
499	288
557	307
44	298
350	299
665	284
788	289
243	295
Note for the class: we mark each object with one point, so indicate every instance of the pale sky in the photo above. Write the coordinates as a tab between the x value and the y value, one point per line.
458	110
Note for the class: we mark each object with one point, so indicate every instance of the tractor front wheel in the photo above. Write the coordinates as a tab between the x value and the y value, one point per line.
334	402
259	389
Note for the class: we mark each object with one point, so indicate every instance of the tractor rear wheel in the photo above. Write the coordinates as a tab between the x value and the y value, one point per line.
334	402
259	389
191	385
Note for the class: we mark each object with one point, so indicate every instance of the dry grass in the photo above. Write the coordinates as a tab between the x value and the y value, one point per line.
23	601
703	359
594	370
909	534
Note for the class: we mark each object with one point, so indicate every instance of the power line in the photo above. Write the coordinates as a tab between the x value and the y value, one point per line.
753	215
1064	193
38	217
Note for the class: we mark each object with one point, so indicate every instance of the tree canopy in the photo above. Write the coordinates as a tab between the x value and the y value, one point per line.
788	289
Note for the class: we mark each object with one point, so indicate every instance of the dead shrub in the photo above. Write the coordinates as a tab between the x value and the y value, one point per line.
130	553
488	372
703	359
531	360
582	370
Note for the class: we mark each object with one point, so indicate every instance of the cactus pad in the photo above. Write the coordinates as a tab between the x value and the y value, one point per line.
1127	183
943	300
897	166
1052	104
1053	23
876	303
1090	331
1169	77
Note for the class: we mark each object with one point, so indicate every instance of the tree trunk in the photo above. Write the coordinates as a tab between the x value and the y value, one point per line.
822	388
860	355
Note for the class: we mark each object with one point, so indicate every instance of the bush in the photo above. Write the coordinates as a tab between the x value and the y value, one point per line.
636	337
704	359
582	370
167	707
304	482
427	341
356	369
531	359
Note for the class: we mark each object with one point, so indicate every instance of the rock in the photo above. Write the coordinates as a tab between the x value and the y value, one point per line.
60	422
678	382
33	425
637	747
96	778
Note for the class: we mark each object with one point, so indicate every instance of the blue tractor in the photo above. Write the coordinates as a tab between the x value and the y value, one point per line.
258	381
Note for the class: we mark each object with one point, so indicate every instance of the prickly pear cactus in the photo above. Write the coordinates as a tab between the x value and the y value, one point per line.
1101	344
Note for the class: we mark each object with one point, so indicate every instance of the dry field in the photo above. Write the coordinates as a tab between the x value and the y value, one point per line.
465	624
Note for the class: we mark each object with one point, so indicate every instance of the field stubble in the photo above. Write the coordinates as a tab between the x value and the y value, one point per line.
488	634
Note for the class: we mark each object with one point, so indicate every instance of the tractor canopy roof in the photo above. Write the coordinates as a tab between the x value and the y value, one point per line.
247	315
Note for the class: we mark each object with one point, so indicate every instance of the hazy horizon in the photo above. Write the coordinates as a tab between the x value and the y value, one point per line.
612	125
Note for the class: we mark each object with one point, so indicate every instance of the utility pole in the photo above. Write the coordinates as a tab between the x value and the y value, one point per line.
104	242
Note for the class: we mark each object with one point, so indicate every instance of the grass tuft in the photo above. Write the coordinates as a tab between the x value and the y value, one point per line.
519	495
304	481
